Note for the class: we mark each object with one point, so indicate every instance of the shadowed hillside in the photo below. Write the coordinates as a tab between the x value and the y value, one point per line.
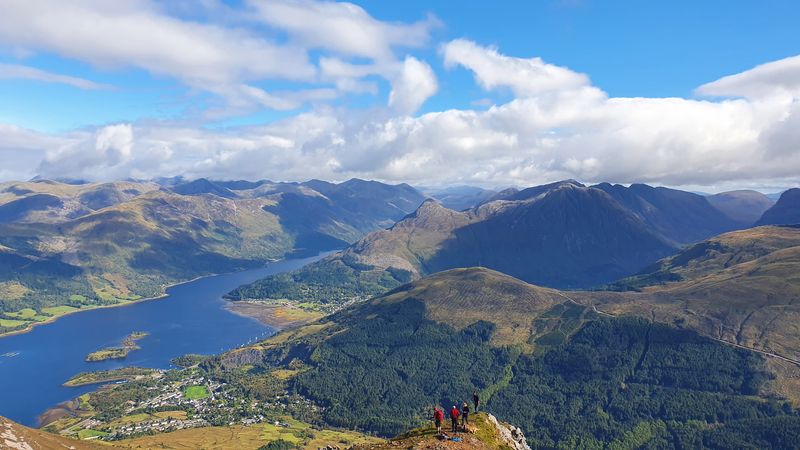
786	211
562	235
745	207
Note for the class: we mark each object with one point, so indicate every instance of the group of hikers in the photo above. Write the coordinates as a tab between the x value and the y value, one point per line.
438	415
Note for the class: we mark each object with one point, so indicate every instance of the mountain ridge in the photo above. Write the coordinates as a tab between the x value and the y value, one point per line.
73	246
563	234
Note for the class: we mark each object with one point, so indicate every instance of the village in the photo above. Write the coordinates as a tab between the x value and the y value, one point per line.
174	403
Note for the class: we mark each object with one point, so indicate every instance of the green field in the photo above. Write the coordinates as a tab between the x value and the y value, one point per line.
86	434
25	314
196	392
11	323
58	310
102	376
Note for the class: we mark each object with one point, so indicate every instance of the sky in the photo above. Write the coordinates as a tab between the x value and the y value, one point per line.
699	95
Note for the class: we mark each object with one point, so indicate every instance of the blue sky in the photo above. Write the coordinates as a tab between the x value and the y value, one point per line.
188	82
628	48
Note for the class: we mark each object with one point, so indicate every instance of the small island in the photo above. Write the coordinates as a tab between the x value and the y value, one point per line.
128	345
107	376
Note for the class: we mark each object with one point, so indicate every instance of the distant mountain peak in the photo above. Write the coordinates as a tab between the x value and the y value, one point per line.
786	211
203	186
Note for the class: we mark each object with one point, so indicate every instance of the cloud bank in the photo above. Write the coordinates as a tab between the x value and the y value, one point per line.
740	130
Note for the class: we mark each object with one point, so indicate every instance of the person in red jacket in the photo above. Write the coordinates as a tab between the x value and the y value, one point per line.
438	418
454	418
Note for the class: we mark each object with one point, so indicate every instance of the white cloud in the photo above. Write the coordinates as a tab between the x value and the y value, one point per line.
136	33
342	27
415	84
17	71
104	154
525	77
558	126
781	78
228	53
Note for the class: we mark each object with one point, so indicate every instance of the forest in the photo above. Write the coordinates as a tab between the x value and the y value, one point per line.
616	383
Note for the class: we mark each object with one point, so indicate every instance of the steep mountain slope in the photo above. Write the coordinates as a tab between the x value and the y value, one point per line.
786	211
77	246
364	200
742	287
745	207
682	217
560	235
714	255
14	436
569	376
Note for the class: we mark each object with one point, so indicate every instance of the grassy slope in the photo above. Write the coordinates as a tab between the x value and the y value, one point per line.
484	435
380	354
223	438
14	435
742	287
249	437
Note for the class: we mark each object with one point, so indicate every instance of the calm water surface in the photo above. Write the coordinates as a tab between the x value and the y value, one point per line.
191	319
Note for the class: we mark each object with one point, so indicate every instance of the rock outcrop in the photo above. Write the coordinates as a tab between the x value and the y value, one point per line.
510	435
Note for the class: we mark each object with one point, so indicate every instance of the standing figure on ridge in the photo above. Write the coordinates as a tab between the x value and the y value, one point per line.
438	418
476	400
465	416
454	418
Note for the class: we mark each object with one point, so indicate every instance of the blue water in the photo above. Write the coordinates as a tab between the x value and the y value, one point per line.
191	319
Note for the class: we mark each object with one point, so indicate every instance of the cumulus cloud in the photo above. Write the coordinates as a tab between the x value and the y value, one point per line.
105	153
415	84
557	126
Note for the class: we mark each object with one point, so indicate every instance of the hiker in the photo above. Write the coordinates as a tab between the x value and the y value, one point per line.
476	400
438	418
454	418
465	416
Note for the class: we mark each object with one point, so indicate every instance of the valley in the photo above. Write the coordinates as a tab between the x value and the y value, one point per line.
589	316
66	248
191	319
565	373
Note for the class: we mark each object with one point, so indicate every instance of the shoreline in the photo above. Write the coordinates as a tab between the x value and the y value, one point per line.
272	315
30	327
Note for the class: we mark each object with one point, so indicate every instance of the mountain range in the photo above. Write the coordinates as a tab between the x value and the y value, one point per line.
688	340
564	235
69	246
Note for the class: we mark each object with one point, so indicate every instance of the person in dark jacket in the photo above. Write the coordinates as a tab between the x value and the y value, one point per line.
464	416
476	400
454	418
438	418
